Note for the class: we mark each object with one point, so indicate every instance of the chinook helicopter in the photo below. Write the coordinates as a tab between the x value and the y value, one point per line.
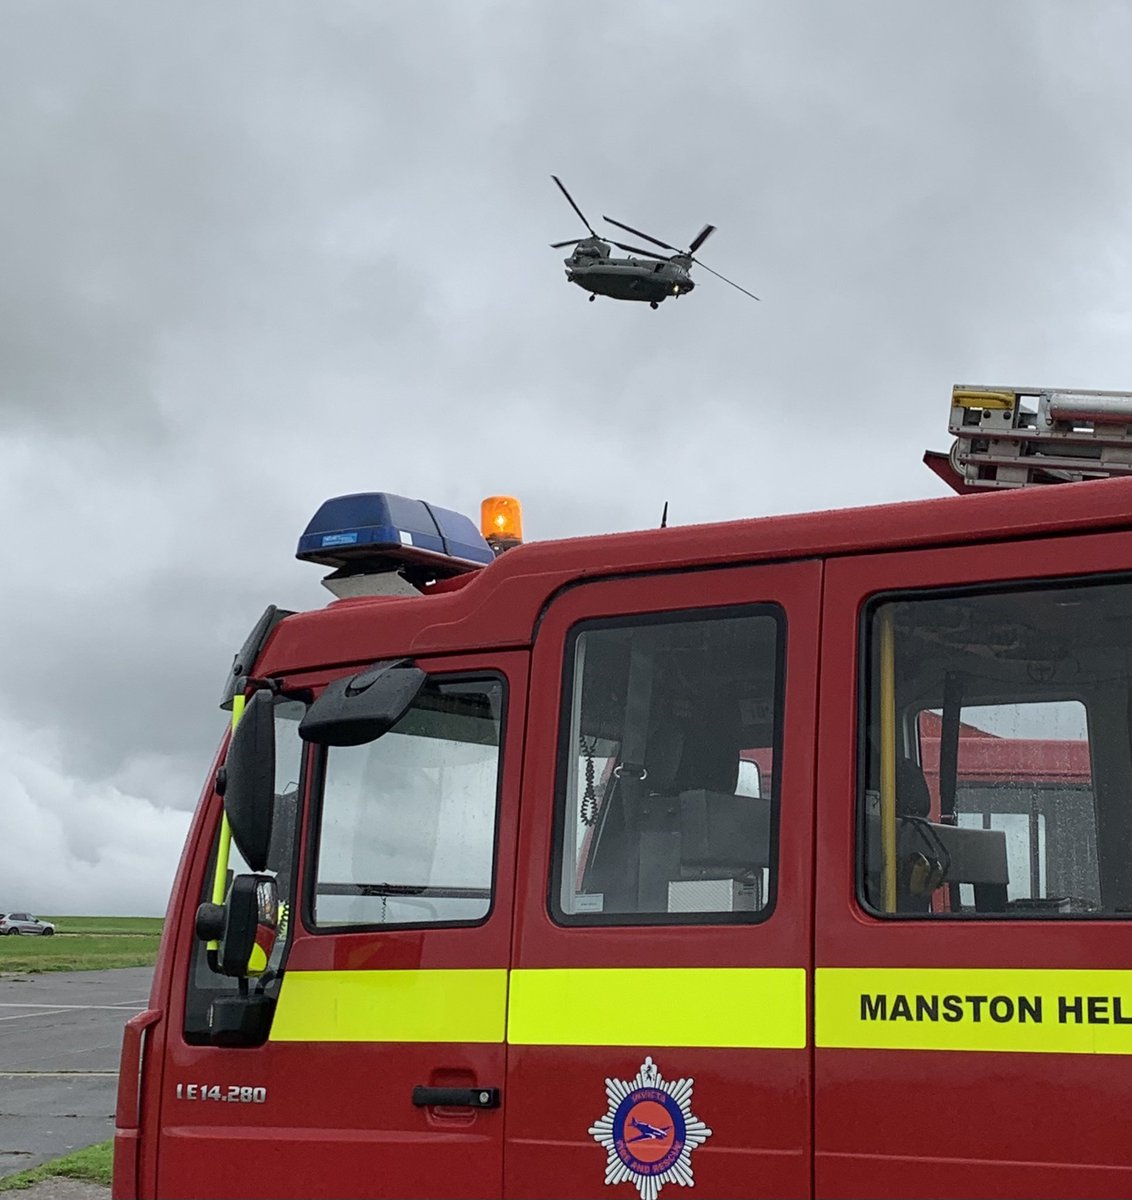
591	266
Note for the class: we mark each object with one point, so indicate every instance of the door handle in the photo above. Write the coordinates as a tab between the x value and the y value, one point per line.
129	1075
487	1097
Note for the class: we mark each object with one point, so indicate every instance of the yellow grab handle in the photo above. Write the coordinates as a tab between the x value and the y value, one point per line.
224	849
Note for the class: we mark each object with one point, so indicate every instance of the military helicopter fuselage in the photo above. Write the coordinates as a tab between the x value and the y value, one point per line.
594	269
651	277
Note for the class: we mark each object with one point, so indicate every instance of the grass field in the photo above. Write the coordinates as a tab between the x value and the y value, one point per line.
85	944
95	1164
150	926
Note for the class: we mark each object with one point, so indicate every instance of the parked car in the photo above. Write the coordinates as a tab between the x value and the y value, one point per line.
22	922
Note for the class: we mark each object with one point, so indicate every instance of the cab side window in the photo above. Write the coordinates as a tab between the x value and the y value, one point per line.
996	756
668	768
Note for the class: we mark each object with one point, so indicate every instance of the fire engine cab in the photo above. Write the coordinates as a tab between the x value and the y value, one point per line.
787	857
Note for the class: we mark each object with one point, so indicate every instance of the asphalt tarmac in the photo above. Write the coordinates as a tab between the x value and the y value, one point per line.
60	1037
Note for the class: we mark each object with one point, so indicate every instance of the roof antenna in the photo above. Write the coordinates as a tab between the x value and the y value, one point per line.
664	516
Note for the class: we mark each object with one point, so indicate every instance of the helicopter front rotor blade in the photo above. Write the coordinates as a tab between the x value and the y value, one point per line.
565	193
638	250
700	238
725	279
572	242
647	236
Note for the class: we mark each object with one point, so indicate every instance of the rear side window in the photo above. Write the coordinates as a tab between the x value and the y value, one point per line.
668	769
996	759
1024	769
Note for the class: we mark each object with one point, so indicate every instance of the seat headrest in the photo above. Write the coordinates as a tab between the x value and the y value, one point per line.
912	796
696	748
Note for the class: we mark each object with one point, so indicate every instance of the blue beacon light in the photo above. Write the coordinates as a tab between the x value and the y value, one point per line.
378	533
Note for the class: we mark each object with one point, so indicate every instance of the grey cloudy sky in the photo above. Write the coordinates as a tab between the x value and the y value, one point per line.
256	255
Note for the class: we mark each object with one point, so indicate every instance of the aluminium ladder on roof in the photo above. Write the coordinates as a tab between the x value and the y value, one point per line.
1008	437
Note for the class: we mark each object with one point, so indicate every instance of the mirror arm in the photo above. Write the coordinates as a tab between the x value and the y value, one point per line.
267	684
274	685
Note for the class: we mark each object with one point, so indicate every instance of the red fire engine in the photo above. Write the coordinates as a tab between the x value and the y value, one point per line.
782	857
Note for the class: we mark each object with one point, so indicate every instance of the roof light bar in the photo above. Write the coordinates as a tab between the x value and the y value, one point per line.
373	533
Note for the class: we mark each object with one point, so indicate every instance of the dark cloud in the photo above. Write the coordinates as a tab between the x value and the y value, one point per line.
256	256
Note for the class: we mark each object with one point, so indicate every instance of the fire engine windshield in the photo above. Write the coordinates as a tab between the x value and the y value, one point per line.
407	822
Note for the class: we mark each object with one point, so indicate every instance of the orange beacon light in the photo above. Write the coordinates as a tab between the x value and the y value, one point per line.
501	522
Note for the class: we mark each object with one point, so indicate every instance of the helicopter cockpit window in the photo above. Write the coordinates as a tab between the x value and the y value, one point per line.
668	776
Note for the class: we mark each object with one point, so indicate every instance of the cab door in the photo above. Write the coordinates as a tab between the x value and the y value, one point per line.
657	1024
383	1071
974	881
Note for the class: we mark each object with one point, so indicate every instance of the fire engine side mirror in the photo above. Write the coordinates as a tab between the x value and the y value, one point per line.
251	925
359	709
249	788
246	924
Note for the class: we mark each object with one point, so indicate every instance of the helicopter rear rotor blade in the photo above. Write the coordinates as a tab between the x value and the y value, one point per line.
647	236
565	193
700	238
639	250
725	279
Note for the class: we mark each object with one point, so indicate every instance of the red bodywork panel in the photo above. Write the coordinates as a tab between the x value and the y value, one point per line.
757	1101
1001	1124
500	606
813	1121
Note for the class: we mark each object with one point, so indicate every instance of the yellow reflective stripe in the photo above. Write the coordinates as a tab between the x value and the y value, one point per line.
875	1008
1023	1011
719	1006
391	1006
732	1007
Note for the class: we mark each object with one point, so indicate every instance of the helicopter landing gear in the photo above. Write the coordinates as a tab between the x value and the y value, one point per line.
592	297
653	304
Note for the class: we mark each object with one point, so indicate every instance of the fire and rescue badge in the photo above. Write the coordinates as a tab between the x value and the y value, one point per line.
649	1132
